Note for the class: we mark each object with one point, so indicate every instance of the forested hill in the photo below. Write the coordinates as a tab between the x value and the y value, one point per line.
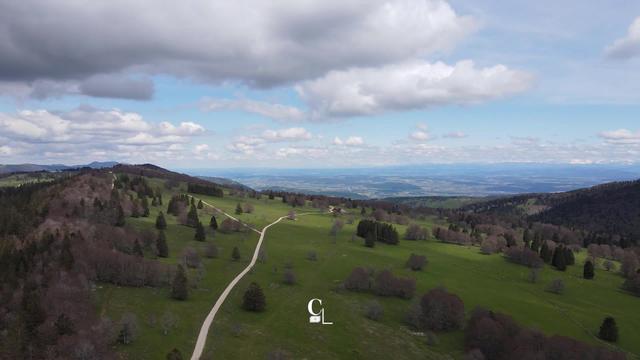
611	210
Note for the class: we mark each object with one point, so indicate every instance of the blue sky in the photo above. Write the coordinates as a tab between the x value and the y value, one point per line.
321	84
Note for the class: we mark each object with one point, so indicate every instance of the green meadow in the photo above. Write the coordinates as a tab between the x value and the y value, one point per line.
480	280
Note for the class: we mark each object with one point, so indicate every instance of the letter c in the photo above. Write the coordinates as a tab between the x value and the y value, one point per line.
310	306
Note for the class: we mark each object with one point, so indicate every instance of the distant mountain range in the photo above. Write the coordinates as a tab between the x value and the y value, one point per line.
18	168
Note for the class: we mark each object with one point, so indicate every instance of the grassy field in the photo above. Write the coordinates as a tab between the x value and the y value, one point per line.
19	179
479	280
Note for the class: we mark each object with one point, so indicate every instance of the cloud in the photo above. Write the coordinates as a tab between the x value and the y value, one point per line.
350	141
414	84
421	133
118	87
278	112
5	150
85	131
291	134
621	136
270	44
248	144
455	135
628	46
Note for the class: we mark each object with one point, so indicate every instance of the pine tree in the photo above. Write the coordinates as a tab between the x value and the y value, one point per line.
200	204
370	239
161	223
174	354
137	249
526	238
545	253
569	258
363	211
180	287
145	207
192	216
213	223
119	216
271	197
161	245
200	235
154	201
238	209
235	254
588	272
64	325
66	256
254	299
558	259
608	330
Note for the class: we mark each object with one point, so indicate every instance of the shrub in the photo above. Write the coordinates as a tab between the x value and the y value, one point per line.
174	354
211	251
128	328
441	311
534	275
235	254
588	272
632	285
312	256
386	284
288	277
358	280
179	286
608	330
416	262
254	299
523	256
191	258
416	232
609	265
556	286
432	338
373	311
488	246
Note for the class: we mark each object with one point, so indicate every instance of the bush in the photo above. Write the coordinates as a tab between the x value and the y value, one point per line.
588	272
191	258
441	311
373	311
416	262
432	338
523	256
556	286
235	254
608	330
534	275
386	284
312	256
288	277
179	286
254	299
211	251
632	285
358	280
416	232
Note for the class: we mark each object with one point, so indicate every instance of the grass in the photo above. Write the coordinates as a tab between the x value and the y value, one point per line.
480	280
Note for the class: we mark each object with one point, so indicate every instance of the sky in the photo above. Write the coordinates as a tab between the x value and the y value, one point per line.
297	84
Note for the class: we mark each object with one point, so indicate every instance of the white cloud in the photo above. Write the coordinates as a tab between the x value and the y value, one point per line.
290	134
255	42
184	129
278	112
350	141
248	144
628	46
414	84
455	135
420	135
5	150
621	136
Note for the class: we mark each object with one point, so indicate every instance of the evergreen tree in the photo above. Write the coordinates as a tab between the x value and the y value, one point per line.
137	249
174	354
588	271
66	256
545	253
33	312
536	243
161	245
238	209
569	258
235	254
200	235
558	259
180	287
370	239
161	223
119	216
254	299
145	207
154	201
271	197
213	223
192	216
159	199
608	330
200	204
64	325
526	238
363	211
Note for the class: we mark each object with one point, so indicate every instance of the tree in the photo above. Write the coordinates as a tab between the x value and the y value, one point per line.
161	223
254	299
168	322
145	207
588	271
569	258
213	223
629	264
608	330
235	254
137	249
289	277
200	234
200	204
374	311
64	325
192	216
174	354
239	209
416	262
559	259
161	245
119	216
180	287
526	238
128	328
358	280
556	286
441	310
370	239
66	256
211	251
